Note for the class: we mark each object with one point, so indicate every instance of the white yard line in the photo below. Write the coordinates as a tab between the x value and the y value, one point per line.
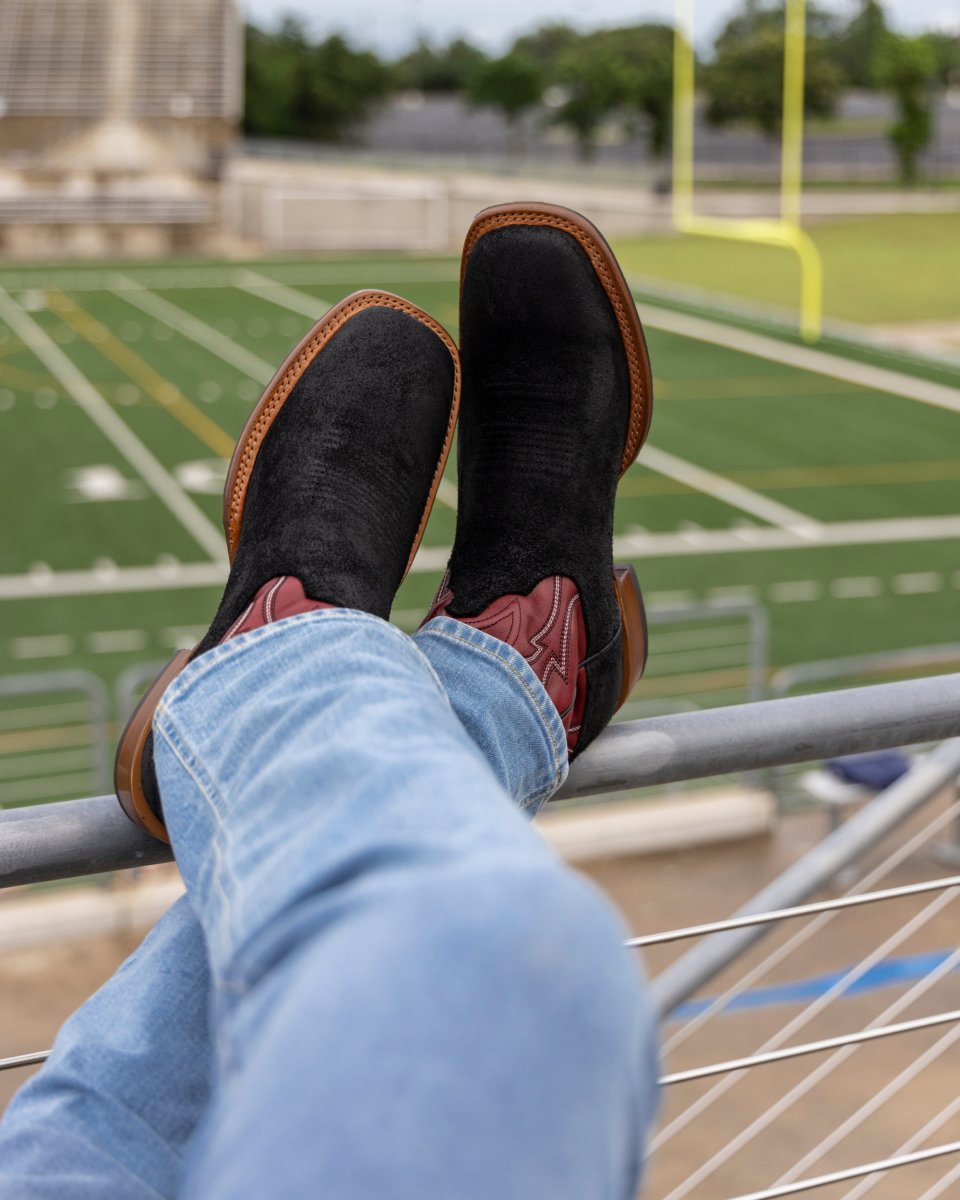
856	587
447	494
56	645
196	330
174	576
296	301
879	379
744	593
431	558
164	577
831	533
793	591
124	440
116	641
733	494
917	583
678	599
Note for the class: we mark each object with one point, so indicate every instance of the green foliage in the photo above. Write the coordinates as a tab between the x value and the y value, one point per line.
616	72
298	89
859	44
647	54
906	67
429	68
744	83
513	84
945	48
593	85
545	45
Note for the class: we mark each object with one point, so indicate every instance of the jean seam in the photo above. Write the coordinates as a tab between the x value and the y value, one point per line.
166	728
558	762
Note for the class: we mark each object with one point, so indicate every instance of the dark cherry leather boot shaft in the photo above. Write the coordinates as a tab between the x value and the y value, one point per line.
547	628
277	599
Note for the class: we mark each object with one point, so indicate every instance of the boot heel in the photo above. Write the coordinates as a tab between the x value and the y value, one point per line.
634	627
128	765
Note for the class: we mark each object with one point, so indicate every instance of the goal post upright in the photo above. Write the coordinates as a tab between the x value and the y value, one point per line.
786	232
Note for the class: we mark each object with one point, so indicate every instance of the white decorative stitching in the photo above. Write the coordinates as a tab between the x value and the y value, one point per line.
268	602
534	640
561	666
239	621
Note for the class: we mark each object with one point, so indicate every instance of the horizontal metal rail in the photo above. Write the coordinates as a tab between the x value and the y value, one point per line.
788	914
887	1164
756	1060
79	837
24	1060
745	737
788	1053
705	1072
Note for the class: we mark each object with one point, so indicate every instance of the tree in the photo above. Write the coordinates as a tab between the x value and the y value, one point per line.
593	85
622	73
298	89
945	48
906	67
429	68
859	44
545	45
646	55
513	84
744	83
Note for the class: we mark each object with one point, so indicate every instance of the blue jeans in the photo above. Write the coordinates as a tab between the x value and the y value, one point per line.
381	982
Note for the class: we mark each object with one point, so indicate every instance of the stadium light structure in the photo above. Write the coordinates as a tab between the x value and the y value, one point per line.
785	232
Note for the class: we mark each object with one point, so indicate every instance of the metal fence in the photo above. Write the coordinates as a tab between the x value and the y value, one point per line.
82	836
54	736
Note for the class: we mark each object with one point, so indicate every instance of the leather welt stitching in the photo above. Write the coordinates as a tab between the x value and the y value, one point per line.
286	383
531	217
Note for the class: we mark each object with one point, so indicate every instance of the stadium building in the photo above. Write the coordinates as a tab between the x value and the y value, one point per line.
115	119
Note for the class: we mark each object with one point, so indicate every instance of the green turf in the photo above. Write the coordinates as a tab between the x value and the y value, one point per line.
832	451
903	267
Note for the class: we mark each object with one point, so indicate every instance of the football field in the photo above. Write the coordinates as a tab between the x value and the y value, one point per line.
822	484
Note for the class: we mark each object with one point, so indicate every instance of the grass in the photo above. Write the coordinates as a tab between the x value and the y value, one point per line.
832	451
876	270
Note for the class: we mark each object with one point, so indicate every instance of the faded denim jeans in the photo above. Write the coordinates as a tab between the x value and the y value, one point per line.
381	984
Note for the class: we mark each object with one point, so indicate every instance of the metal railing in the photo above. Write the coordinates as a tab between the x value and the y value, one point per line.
77	837
726	942
859	668
59	741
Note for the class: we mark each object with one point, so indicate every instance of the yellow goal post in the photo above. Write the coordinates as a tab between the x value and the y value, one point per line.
785	232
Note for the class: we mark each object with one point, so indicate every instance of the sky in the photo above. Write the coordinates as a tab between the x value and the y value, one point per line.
390	26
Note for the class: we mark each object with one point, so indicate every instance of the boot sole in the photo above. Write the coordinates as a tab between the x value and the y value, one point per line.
626	585
128	764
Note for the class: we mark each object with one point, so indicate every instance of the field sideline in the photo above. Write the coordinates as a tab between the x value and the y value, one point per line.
820	483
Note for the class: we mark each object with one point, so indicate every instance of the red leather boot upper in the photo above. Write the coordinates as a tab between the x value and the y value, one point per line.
278	598
547	628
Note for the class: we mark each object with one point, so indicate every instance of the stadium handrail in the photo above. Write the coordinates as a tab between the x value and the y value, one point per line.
87	836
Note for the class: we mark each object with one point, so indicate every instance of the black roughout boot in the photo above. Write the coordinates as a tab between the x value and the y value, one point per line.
328	491
557	400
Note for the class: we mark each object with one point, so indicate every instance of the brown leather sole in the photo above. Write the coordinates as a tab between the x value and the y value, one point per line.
128	764
626	584
633	628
